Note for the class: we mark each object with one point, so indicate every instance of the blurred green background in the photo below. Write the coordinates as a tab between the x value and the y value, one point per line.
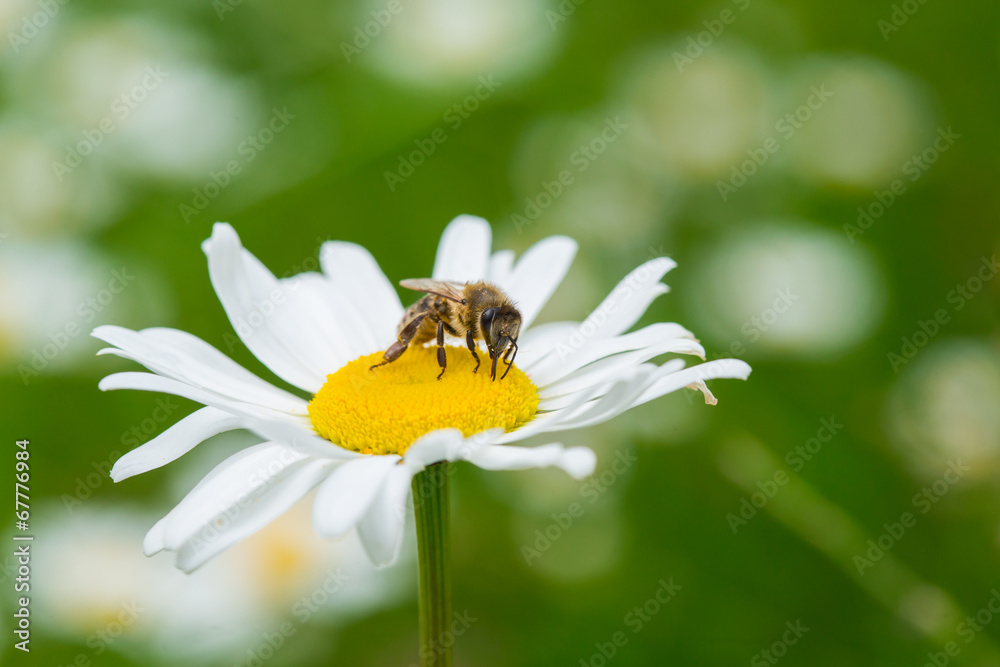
823	174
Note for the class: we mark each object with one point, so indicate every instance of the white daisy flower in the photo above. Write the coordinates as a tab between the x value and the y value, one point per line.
365	434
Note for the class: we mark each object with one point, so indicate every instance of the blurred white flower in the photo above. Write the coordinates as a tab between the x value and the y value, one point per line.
580	173
26	25
12	13
43	293
872	124
451	42
697	119
944	407
93	585
37	201
787	288
138	95
51	294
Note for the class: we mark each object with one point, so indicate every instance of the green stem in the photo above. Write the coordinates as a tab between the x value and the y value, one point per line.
431	503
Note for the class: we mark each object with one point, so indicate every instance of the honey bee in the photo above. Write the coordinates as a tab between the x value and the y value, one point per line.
478	311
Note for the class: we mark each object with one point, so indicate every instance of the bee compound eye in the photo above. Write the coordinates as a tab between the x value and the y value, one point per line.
486	319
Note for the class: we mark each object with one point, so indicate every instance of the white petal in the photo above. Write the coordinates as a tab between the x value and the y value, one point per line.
225	486
184	357
300	436
549	421
348	492
579	462
629	300
176	441
621	396
154	543
342	325
539	341
463	254
577	353
564	392
269	319
644	387
614	366
354	272
501	264
696	375
710	398
445	444
153	382
261	508
537	274
381	528
585	403
241	494
617	313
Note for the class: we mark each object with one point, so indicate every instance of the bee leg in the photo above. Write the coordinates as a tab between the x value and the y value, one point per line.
402	341
510	363
442	357
471	342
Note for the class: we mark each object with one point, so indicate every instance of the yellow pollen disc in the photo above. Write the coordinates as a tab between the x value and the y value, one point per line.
382	411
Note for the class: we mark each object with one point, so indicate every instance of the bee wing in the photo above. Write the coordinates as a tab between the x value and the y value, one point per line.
442	288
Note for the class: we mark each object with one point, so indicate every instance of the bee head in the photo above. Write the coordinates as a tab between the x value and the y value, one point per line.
500	323
500	327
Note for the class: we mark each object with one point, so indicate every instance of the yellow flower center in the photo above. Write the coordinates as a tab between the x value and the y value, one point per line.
382	411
